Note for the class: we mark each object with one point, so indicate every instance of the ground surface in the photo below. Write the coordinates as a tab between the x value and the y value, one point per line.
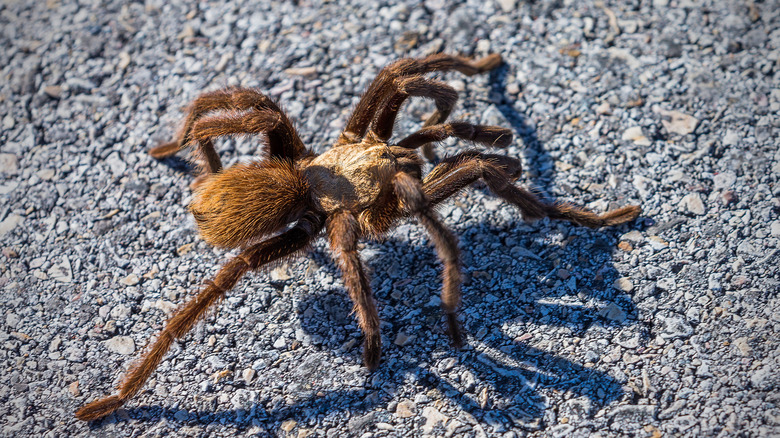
663	327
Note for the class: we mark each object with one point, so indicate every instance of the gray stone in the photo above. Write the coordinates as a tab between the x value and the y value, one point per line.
558	351
732	138
724	180
12	320
243	399
116	164
631	417
613	313
674	327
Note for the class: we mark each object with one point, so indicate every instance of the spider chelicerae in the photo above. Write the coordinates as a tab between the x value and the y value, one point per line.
273	208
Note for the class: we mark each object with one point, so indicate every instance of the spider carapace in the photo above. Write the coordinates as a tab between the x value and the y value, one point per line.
273	208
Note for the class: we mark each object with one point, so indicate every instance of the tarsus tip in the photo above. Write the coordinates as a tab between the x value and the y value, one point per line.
99	408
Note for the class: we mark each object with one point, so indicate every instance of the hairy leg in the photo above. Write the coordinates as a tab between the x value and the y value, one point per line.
414	86
343	232
253	122
461	170
487	135
412	198
283	140
182	322
383	85
204	104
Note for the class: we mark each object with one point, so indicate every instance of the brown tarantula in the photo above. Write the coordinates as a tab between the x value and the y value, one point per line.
273	208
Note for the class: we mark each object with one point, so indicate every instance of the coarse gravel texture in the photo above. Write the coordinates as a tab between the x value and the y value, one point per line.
667	326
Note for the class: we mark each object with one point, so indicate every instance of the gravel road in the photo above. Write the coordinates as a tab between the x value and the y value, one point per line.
664	327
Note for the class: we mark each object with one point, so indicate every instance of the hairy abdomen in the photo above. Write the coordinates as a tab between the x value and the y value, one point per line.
247	201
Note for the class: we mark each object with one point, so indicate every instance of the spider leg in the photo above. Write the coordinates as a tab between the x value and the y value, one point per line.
410	193
252	122
488	135
443	95
384	85
283	140
275	248
457	172
344	231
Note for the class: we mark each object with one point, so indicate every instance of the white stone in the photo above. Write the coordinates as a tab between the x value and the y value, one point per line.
8	187
432	418
405	409
121	345
642	185
724	180
10	223
166	306
633	236
62	271
676	122
694	204
116	164
626	56
624	284
507	5
774	228
8	122
46	174
280	273
731	138
657	243
130	280
636	135
9	164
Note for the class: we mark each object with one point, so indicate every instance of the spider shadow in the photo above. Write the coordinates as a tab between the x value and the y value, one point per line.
515	374
179	164
535	155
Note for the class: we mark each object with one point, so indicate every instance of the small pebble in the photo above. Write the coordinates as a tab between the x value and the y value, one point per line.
693	204
74	390
130	280
401	339
635	135
248	375
405	409
121	345
9	164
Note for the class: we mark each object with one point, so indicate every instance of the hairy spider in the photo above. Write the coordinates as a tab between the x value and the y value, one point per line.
273	208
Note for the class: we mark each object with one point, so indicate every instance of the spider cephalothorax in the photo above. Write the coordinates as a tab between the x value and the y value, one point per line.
275	207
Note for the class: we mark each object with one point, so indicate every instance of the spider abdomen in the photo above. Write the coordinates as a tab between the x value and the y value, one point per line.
247	201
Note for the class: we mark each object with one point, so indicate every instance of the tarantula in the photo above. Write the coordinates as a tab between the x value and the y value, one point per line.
274	207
